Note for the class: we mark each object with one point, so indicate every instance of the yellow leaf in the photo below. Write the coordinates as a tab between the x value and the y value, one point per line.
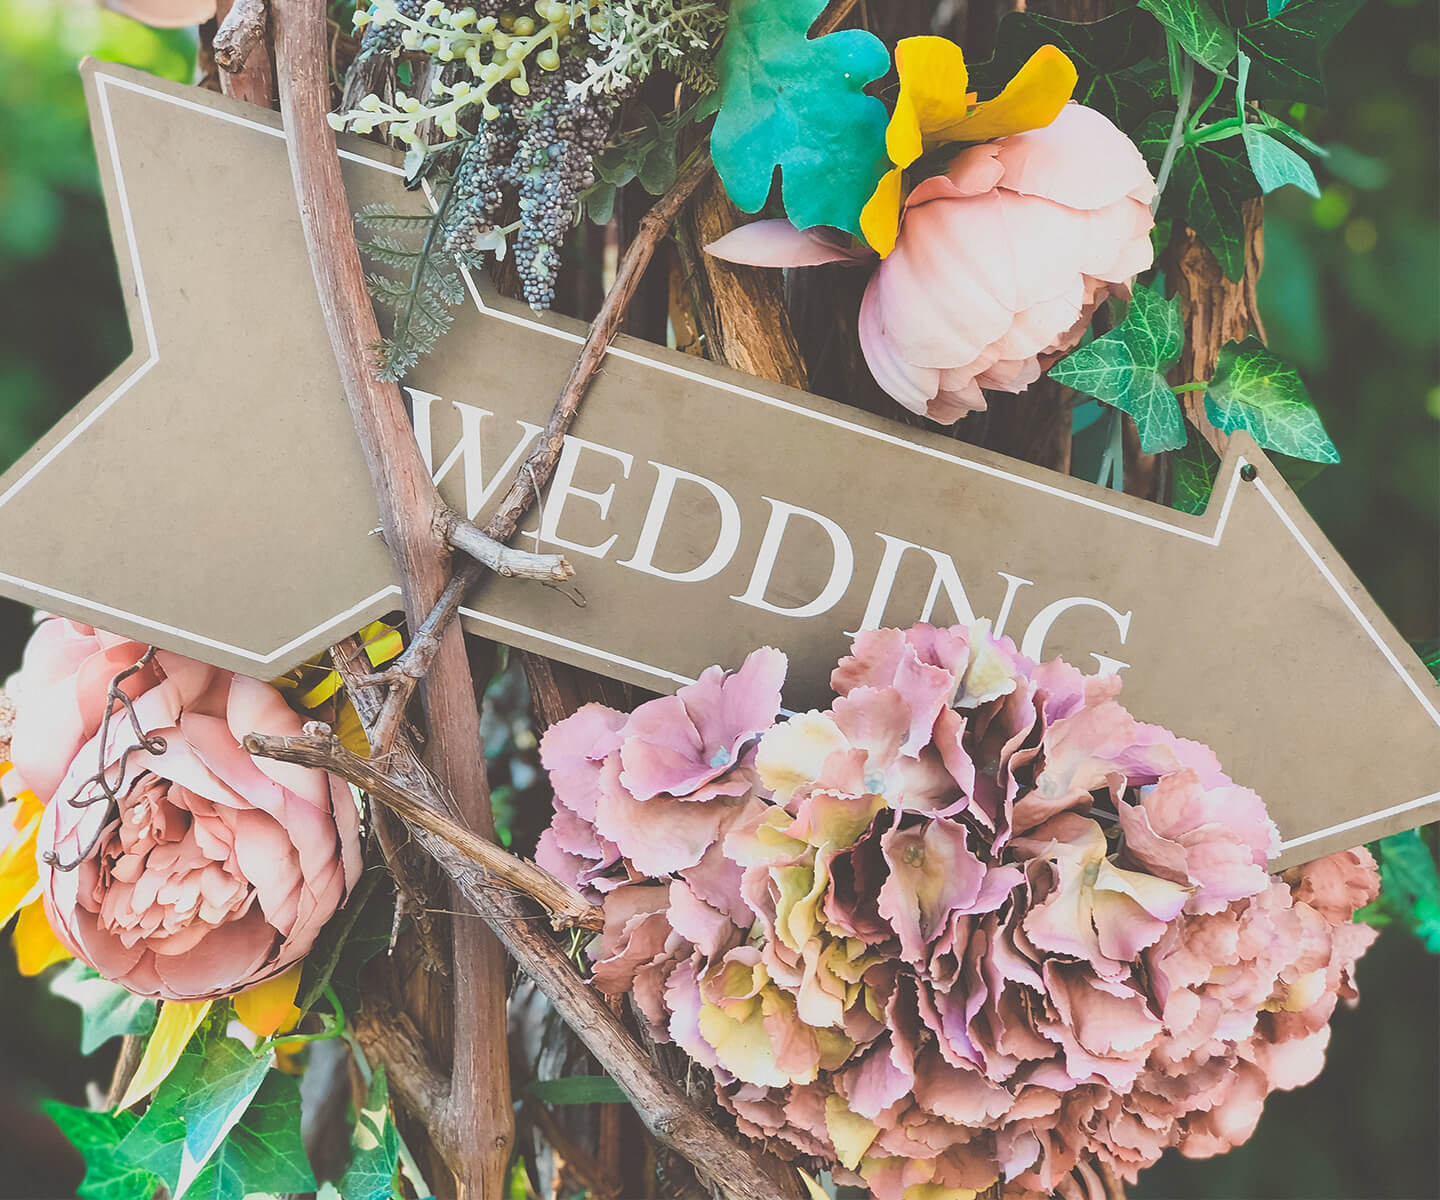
880	218
269	1008
812	1189
933	85
349	730
850	1133
1034	98
36	946
178	1022
19	872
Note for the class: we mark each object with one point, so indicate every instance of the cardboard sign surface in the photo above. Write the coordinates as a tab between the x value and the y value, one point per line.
210	497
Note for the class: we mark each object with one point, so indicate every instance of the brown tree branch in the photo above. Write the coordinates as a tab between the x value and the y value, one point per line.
241	30
568	908
478	1114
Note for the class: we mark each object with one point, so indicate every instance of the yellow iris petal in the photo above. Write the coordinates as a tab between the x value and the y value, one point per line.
19	872
173	1029
36	946
269	1007
933	83
880	218
1034	98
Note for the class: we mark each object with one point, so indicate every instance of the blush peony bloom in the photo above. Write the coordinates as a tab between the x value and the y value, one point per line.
972	922
213	870
992	267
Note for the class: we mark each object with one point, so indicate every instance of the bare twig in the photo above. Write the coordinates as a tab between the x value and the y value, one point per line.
468	538
535	471
239	33
568	909
477	1118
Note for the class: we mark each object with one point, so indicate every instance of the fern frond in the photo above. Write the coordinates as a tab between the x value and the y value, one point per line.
385	216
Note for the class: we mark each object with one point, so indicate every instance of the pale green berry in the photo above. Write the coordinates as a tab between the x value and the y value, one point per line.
549	59
520	87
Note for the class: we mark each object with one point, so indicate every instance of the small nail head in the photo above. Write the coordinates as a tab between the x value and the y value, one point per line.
1248	473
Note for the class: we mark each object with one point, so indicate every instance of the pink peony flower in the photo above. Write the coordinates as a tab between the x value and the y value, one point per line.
972	922
999	265
213	870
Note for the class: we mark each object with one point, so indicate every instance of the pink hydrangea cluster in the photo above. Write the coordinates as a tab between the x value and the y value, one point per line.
974	921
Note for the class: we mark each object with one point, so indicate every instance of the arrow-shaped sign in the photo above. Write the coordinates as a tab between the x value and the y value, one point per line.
209	497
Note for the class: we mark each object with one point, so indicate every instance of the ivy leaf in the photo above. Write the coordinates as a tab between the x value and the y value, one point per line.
1113	57
797	103
96	1135
577	1089
1196	468
1197	27
374	1147
1287	49
1208	187
107	1009
1275	164
264	1152
1410	885
1126	368
195	1109
1254	391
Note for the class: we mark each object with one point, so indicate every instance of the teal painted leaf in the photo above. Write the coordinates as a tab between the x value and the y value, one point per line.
1429	653
1113	57
1275	164
578	1089
374	1147
1254	391
1287	49
264	1152
197	1106
1126	368
107	1009
1196	468
1207	190
797	104
96	1135
1198	28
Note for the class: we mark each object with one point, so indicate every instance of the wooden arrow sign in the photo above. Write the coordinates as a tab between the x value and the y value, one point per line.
209	497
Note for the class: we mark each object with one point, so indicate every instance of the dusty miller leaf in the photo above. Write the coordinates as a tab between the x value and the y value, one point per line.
1197	27
1126	368
107	1009
96	1135
1254	391
797	104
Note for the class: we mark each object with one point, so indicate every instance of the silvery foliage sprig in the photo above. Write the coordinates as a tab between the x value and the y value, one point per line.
639	36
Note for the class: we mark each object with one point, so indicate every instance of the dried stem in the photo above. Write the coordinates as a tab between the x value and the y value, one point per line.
241	30
477	1119
568	909
469	539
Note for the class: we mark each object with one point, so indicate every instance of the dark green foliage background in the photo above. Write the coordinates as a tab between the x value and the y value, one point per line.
1349	294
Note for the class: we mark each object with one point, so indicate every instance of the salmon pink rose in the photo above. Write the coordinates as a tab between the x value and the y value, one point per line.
211	869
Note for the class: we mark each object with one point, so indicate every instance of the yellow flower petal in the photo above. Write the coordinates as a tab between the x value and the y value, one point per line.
812	1189
36	946
269	1008
349	730
880	218
1034	98
850	1133
19	872
933	83
178	1022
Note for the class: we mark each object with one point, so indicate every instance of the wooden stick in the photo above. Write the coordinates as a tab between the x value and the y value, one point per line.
478	1117
241	30
568	908
474	542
